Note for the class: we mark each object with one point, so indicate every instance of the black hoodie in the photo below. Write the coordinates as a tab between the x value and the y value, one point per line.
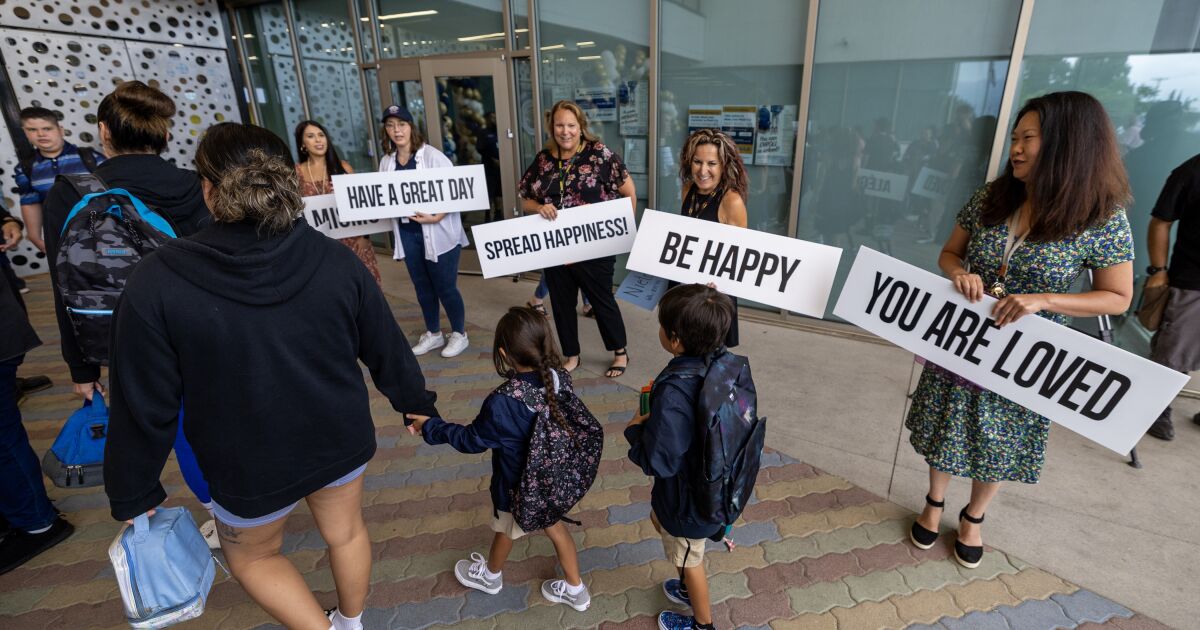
260	337
160	185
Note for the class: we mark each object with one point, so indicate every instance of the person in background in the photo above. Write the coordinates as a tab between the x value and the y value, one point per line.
318	162
29	523
52	156
714	189
1024	239
1176	344
272	428
429	244
576	169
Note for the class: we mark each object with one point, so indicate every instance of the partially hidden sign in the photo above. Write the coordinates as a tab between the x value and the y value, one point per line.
391	194
321	212
882	184
1093	388
642	290
578	234
776	270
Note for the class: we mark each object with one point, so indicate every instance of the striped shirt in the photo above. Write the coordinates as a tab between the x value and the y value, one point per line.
33	189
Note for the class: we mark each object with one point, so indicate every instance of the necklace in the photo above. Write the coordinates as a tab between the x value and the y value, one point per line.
322	186
699	202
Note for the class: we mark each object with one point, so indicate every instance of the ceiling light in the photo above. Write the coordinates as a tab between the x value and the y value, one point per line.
589	57
248	36
554	47
479	38
584	44
410	14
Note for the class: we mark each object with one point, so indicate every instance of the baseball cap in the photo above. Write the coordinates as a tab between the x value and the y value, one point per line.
397	111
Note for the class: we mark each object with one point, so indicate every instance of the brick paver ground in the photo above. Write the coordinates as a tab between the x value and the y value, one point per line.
813	551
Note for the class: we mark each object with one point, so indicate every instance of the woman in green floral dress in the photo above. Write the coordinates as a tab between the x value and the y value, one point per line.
1060	198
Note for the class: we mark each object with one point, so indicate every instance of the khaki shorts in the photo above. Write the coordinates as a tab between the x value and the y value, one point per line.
504	524
682	552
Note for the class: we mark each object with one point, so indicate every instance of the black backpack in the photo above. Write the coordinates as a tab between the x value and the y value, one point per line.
104	236
732	436
561	461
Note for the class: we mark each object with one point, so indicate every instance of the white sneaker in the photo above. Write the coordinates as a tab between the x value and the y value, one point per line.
429	341
209	531
455	346
559	592
472	574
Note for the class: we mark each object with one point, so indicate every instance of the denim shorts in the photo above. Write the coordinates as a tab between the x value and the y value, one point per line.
233	520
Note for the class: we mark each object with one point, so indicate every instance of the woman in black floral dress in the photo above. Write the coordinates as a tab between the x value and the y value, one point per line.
576	169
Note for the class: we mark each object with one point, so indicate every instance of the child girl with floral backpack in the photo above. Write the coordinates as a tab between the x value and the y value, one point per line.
546	449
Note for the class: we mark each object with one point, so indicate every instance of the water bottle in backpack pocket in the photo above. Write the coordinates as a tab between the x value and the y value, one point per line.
76	459
164	568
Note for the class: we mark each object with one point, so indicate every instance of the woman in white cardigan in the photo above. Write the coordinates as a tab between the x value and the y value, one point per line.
429	244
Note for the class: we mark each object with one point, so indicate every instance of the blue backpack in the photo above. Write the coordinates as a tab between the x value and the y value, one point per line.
76	459
164	568
103	238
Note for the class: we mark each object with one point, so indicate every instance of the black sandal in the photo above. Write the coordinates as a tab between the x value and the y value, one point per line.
967	555
923	538
619	369
540	308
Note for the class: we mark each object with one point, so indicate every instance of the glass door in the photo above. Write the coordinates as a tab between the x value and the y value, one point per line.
462	107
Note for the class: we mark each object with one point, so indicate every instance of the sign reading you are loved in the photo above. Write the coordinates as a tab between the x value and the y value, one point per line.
321	212
391	194
1093	388
776	270
578	234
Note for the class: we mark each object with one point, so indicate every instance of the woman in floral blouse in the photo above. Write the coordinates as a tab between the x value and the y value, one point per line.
1023	239
576	169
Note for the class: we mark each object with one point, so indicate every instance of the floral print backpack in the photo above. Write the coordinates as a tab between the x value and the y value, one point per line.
561	460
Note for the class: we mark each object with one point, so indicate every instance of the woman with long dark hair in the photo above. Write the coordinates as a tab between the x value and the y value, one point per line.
317	164
714	189
263	321
1023	239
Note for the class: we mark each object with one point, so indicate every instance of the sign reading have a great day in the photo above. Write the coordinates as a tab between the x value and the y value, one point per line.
390	194
1093	388
532	242
320	211
776	270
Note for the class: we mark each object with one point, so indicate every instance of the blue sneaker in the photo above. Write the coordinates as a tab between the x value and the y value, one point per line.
668	620
673	589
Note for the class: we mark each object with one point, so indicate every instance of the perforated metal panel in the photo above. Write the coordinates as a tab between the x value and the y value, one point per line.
187	22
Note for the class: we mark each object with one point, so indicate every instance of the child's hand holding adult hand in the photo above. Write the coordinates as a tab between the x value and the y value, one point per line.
415	422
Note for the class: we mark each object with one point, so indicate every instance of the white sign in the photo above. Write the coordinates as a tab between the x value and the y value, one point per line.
320	211
598	103
635	108
776	270
390	194
932	184
774	146
737	121
578	234
1093	388
636	154
882	184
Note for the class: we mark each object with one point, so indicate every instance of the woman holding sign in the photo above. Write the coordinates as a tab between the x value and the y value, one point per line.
714	189
316	167
575	169
1024	239
429	244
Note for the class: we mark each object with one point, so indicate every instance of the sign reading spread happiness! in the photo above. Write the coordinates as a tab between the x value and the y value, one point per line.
390	194
1093	388
321	212
776	270
532	242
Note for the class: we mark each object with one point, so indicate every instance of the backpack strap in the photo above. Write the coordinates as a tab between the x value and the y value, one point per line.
26	164
87	155
84	183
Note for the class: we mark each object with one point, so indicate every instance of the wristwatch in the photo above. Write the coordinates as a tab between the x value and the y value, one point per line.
1151	270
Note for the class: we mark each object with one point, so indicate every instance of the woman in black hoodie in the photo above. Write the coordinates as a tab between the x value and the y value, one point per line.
258	322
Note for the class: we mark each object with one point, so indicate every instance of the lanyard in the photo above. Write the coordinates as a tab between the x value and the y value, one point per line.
563	170
1011	244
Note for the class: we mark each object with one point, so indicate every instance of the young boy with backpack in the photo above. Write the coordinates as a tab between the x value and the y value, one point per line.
546	449
701	441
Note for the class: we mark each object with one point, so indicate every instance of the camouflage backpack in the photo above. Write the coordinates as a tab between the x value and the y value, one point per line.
561	461
102	239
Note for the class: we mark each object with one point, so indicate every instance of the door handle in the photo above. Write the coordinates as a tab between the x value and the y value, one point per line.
509	133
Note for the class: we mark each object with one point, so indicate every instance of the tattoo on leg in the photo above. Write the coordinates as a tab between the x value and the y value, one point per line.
228	532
